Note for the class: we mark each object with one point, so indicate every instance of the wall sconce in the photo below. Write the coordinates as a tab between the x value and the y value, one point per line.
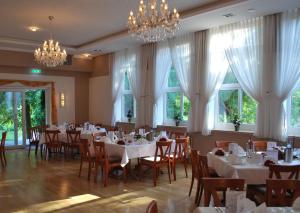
62	99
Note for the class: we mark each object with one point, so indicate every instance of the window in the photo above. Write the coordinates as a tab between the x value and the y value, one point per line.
294	113
176	104
128	101
233	102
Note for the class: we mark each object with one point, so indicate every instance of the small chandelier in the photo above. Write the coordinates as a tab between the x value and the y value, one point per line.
50	54
151	24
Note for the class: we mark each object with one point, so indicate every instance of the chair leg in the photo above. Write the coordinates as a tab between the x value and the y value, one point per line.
89	172
41	150
200	195
4	157
185	168
36	149
106	172
80	168
1	158
169	173
29	148
174	171
197	191
96	172
191	187
154	175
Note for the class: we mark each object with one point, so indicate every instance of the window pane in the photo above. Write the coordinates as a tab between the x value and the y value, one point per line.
128	103
172	79
230	78
295	109
173	104
248	110
186	108
126	82
228	105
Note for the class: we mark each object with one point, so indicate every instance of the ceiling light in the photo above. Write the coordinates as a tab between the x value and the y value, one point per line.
153	21
33	28
86	55
251	10
50	54
228	15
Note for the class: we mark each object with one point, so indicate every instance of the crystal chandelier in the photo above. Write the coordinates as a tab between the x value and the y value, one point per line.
151	24
50	54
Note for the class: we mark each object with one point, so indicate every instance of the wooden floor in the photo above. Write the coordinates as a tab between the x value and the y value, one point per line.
35	185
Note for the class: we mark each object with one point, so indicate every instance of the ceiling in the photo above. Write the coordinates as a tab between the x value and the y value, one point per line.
99	26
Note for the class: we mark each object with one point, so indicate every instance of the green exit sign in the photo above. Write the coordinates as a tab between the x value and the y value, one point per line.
36	71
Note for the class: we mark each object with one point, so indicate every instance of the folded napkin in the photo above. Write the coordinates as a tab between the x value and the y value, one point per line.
234	159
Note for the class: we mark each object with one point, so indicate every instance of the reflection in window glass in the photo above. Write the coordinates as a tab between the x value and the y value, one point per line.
173	104
228	105
295	109
230	78
172	79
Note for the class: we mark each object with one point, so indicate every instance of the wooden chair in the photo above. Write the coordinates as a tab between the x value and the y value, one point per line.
34	139
195	163
282	192
180	155
85	156
161	158
152	207
176	134
98	134
2	149
53	145
212	185
73	141
223	144
291	170
260	146
106	162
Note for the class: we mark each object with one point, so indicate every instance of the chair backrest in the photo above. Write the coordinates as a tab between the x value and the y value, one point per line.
3	139
260	146
181	148
100	152
84	149
73	136
223	144
174	134
203	166
282	192
212	185
51	136
163	149
278	170
34	133
152	207
195	162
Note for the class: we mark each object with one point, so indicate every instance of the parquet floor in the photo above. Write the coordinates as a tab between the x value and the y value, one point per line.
35	185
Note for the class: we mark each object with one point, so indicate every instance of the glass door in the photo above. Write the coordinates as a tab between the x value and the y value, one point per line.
11	117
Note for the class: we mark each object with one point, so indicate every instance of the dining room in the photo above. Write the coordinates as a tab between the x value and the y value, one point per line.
150	106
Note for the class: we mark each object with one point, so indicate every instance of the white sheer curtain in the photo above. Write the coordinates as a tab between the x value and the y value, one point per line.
183	60
117	77
288	69
148	52
134	75
162	67
211	79
244	51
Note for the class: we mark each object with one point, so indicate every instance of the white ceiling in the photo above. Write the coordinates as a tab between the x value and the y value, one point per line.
87	25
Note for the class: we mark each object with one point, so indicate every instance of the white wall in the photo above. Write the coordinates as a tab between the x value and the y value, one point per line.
100	107
62	84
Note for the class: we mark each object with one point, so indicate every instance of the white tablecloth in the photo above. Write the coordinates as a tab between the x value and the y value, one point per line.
269	210
252	173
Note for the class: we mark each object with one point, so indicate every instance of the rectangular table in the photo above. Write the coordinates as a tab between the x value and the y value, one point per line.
255	174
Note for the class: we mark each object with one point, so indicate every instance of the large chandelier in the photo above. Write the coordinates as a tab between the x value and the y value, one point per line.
50	54
152	24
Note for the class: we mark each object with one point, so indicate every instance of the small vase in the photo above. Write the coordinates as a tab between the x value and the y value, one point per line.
236	128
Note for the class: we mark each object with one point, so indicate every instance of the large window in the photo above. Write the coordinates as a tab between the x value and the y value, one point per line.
128	101
294	113
176	104
233	102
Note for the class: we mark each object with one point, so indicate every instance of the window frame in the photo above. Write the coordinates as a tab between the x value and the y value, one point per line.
123	93
167	89
229	126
